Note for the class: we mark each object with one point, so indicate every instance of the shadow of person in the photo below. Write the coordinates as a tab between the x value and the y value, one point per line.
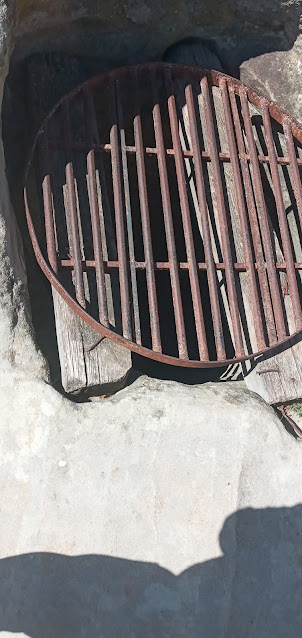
254	589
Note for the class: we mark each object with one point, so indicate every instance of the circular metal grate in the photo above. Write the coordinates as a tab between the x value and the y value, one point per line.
164	204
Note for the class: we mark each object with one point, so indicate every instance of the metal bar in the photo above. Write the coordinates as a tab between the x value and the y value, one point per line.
186	221
145	218
73	213
137	326
254	226
95	215
48	203
150	150
263	218
285	236
165	265
203	209
224	232
294	161
119	215
245	238
168	220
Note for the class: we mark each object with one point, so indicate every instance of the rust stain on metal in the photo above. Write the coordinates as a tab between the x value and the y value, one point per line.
268	370
162	177
94	345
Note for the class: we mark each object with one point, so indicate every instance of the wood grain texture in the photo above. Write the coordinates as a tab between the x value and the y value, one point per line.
277	376
108	363
81	367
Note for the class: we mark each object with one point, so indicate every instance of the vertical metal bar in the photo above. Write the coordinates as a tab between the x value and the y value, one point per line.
95	214
186	220
285	236
48	202
73	213
168	221
137	326
293	164
203	208
247	250
143	198
254	226
224	232
119	215
263	218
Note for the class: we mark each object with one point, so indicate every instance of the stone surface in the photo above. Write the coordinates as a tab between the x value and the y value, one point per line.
132	30
279	76
167	510
17	344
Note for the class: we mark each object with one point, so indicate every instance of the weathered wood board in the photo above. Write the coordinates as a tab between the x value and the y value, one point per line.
277	377
82	367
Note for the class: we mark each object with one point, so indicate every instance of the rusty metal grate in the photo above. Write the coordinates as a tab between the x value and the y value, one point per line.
164	204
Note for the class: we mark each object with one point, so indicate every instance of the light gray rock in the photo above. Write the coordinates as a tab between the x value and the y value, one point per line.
167	510
278	75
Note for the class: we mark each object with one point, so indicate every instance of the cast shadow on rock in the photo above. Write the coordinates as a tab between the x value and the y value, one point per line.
253	589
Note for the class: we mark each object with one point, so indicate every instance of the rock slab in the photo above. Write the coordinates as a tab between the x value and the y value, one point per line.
168	510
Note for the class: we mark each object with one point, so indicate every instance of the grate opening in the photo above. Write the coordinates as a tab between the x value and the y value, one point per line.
168	205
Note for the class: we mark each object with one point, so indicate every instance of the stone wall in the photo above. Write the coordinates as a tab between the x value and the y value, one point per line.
117	30
167	510
17	345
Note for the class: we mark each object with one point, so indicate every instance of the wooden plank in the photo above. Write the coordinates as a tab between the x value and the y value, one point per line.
284	382
276	377
199	55
107	364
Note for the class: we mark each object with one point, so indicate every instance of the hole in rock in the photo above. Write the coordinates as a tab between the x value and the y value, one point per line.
153	195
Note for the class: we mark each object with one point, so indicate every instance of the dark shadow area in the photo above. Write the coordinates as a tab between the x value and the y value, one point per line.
48	77
159	370
33	86
253	589
192	51
231	48
287	424
29	94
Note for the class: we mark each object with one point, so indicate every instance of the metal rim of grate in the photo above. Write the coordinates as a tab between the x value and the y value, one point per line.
201	124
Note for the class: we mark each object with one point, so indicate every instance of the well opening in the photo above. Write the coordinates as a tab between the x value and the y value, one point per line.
64	71
46	77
